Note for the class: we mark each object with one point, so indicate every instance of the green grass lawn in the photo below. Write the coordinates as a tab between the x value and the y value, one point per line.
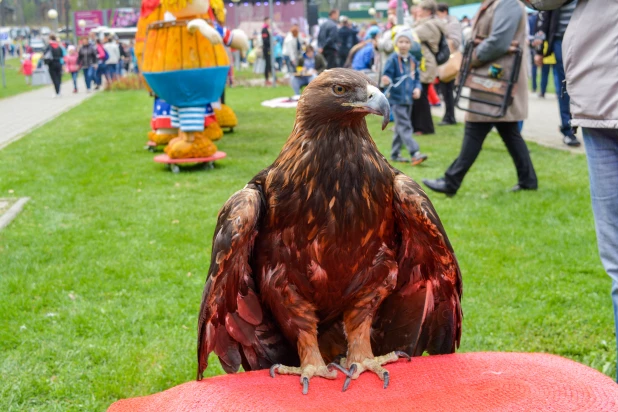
246	74
101	276
15	80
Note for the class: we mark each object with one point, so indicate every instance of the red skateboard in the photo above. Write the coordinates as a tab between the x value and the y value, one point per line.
173	164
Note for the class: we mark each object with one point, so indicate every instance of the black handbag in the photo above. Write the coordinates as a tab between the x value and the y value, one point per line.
444	52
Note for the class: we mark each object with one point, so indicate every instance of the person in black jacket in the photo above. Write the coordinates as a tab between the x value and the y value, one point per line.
348	38
87	60
53	59
266	50
328	39
552	25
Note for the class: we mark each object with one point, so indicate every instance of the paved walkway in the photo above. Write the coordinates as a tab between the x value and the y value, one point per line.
542	126
26	111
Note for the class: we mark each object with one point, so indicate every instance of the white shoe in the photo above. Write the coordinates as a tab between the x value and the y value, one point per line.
54	96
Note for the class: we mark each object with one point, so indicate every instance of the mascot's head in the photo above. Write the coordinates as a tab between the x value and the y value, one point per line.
186	8
545	4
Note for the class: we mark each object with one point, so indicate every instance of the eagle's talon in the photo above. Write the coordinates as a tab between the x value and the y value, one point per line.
273	369
343	370
346	384
374	365
305	372
348	378
402	354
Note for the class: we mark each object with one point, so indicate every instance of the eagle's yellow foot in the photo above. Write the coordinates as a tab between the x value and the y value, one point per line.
374	365
306	373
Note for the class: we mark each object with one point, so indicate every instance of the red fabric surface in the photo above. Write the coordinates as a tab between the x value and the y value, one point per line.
462	382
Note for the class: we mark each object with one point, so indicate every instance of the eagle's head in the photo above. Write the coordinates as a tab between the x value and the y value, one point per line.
344	96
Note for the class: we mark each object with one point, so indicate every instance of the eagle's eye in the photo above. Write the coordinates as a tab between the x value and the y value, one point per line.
339	90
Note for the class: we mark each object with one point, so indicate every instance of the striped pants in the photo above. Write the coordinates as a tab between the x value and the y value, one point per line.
188	119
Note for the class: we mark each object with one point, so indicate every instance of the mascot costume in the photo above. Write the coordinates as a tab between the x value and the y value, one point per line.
180	49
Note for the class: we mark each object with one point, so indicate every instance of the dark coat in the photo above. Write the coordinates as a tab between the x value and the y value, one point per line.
328	37
348	37
265	40
87	56
547	22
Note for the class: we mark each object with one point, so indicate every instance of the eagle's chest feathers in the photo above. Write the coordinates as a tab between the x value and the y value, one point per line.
330	215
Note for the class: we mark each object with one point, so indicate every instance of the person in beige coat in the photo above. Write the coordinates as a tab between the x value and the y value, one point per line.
454	38
590	62
496	26
429	30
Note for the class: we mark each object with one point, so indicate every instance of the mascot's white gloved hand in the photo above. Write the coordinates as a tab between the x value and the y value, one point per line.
205	29
240	41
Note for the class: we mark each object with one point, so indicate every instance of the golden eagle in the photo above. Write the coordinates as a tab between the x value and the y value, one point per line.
329	253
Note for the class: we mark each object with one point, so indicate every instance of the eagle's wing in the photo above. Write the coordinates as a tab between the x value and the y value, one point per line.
424	312
233	322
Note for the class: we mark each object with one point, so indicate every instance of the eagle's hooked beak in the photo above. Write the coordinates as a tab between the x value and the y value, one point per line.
377	103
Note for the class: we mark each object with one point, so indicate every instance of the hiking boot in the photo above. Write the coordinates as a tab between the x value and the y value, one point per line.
418	158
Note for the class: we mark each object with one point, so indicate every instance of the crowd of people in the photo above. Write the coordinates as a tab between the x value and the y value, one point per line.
339	42
372	48
102	60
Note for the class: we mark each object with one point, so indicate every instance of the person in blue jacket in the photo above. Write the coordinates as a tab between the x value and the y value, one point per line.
363	59
402	77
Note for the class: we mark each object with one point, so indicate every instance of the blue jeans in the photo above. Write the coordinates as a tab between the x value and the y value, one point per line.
88	76
101	71
533	70
602	152
564	101
545	78
74	76
111	70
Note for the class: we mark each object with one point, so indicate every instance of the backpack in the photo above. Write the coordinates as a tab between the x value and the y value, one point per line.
444	52
52	55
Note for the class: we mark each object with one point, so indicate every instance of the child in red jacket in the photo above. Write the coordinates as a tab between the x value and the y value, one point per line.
26	67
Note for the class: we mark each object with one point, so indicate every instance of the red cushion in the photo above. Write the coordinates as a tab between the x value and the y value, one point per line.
462	382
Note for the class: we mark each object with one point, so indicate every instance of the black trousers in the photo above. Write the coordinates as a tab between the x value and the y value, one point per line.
330	55
267	67
474	136
448	94
55	72
421	113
